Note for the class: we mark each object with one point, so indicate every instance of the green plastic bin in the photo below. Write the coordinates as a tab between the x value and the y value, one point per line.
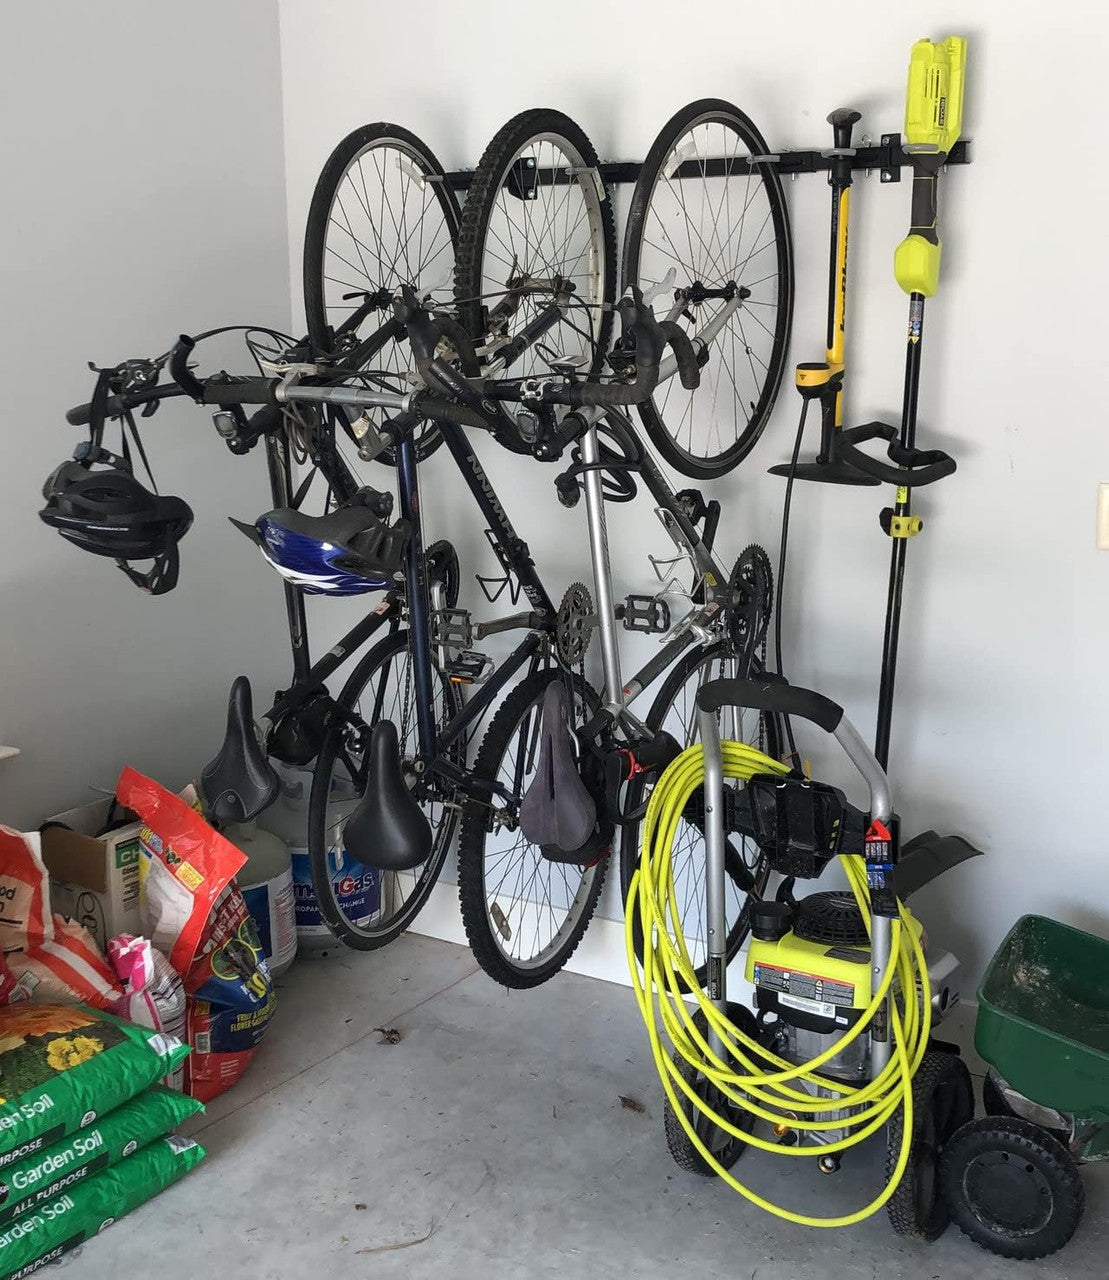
1043	1015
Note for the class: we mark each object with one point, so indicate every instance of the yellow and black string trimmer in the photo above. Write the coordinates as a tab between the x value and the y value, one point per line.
933	120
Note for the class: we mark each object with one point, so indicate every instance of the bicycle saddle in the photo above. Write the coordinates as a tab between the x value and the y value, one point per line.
388	830
240	782
557	812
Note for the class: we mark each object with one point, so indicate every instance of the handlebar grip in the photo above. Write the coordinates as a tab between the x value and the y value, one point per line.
179	369
771	695
81	414
448	411
244	391
689	371
910	467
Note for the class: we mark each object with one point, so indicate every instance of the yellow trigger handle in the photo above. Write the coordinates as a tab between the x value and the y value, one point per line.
933	121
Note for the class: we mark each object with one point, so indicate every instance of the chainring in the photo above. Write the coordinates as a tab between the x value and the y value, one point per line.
574	624
753	580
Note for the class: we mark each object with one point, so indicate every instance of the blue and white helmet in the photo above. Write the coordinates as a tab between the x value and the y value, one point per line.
347	552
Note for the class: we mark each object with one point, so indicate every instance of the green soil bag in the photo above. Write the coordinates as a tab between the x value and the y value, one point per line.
62	1067
37	1178
75	1215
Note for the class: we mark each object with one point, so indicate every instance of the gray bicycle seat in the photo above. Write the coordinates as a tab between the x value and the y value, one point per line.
557	811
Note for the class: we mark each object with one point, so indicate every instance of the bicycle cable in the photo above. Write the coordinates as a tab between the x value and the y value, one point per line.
786	504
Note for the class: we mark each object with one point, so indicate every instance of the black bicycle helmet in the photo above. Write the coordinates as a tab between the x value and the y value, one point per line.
108	512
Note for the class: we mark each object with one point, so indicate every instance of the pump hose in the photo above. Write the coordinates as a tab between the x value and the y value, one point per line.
749	1075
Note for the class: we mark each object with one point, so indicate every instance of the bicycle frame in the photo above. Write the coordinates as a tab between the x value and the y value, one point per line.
511	551
513	554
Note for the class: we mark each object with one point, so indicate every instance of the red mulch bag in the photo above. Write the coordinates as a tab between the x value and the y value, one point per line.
194	913
25	918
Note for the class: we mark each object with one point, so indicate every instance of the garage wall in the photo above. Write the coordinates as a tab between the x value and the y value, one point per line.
144	197
1001	678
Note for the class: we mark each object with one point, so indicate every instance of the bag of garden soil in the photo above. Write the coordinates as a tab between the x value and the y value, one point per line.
62	1067
30	1182
76	1214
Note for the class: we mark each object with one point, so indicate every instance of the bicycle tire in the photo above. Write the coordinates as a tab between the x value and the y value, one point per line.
472	888
490	178
380	136
739	919
321	839
691	461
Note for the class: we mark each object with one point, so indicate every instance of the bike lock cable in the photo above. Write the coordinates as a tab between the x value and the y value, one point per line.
746	1073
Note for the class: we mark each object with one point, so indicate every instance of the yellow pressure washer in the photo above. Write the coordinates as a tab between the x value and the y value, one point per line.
839	1042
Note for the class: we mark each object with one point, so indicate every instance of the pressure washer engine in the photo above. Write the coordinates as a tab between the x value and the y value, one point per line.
809	963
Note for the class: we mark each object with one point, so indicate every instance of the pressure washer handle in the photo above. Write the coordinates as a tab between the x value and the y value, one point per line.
778	697
771	695
909	467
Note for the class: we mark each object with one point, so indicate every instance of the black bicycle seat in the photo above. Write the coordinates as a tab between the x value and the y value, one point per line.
557	812
240	782
388	830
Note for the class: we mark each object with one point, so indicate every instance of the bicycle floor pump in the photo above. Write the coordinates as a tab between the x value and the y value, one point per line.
823	380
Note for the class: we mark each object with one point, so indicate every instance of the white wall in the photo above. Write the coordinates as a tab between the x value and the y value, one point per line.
143	197
997	730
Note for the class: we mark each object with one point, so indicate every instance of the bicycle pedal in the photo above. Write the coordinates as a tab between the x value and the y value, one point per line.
469	667
649	614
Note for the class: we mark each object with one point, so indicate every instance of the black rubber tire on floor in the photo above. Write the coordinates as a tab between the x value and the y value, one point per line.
685	1155
943	1101
471	849
713	109
315	237
480	200
678	675
1025	1152
385	650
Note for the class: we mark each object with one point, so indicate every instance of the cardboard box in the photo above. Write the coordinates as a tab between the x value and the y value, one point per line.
95	880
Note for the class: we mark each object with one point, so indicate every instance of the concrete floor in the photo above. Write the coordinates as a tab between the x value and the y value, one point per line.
491	1141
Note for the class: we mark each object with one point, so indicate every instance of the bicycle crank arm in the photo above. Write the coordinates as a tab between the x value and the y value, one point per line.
515	621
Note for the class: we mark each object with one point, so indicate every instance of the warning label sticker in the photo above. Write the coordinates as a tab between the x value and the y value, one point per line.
809	986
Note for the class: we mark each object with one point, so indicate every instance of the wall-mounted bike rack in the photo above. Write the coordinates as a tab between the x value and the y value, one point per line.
888	157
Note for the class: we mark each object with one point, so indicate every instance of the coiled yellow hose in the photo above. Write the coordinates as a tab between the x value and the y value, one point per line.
750	1076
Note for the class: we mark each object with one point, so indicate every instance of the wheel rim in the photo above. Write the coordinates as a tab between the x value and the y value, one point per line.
532	246
1006	1192
532	904
743	860
389	694
718	233
390	222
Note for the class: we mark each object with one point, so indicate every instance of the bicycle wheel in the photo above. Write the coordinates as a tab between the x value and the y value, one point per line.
747	868
380	687
524	915
723	233
537	228
381	217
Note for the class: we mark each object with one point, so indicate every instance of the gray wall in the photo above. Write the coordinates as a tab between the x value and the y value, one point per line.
144	196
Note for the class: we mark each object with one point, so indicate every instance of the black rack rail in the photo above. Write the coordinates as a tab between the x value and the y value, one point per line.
888	157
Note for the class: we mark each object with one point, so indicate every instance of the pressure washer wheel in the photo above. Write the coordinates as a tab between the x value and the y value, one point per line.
943	1100
1012	1187
725	1147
